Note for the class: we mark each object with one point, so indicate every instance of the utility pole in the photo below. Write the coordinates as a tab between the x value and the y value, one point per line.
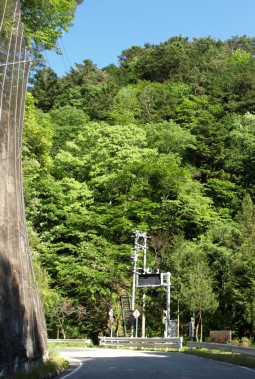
168	287
134	257
144	269
140	244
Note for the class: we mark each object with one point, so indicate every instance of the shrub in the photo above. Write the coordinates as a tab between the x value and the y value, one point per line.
245	342
235	342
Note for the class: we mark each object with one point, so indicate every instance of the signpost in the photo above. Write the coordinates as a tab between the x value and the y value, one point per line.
136	314
168	285
144	277
149	279
111	319
140	245
192	328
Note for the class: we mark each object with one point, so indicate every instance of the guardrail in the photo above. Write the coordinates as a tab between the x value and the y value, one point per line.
225	347
70	340
138	342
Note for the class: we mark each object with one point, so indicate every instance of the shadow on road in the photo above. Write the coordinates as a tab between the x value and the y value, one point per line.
127	364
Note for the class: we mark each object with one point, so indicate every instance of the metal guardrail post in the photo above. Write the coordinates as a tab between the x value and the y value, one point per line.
70	340
154	342
224	347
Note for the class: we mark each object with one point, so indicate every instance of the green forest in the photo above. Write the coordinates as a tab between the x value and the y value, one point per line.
163	143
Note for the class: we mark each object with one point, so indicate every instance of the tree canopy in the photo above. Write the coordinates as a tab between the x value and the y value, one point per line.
45	21
163	143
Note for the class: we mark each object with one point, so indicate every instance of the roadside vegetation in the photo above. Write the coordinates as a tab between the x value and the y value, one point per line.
157	144
54	365
236	359
163	142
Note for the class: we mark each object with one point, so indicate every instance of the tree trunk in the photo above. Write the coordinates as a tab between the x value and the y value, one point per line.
197	328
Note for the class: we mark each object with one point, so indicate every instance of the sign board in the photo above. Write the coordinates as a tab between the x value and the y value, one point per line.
191	329
149	280
136	313
220	336
171	332
111	314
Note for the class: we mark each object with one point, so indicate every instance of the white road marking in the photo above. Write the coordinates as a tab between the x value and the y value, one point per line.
74	371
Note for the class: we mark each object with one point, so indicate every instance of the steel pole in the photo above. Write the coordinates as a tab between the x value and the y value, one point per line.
133	295
133	284
144	294
168	285
135	257
136	328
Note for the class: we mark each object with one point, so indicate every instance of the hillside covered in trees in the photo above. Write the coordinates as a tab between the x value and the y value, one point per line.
163	143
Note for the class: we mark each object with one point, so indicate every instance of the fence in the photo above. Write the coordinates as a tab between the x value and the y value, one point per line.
133	342
22	324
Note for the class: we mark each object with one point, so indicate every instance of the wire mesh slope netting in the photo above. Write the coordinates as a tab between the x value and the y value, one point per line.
22	325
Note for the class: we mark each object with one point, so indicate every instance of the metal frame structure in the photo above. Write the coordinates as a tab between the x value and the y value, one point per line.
22	325
162	279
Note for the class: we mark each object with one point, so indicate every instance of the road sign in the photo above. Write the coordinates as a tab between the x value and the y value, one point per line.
149	280
136	313
111	314
111	319
191	328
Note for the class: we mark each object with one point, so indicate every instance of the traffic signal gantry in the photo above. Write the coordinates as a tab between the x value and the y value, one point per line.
147	278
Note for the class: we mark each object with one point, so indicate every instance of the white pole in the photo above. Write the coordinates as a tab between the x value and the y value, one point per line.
135	257
136	329
168	285
144	295
133	295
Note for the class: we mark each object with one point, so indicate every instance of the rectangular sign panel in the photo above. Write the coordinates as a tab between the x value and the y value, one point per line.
149	280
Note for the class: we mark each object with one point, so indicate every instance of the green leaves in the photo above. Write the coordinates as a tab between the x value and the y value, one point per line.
45	88
125	106
44	22
168	137
163	144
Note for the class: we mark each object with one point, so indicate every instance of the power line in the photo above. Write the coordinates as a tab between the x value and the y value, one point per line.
65	53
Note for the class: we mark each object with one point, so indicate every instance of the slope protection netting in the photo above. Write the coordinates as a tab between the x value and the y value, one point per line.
22	325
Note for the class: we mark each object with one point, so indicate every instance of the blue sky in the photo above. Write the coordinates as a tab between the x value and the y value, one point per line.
104	28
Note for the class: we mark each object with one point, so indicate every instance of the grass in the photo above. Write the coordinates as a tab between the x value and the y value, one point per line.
68	344
236	359
53	366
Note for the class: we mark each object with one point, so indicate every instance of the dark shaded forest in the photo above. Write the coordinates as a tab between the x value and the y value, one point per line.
163	143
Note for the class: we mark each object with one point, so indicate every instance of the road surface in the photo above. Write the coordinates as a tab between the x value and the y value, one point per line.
131	364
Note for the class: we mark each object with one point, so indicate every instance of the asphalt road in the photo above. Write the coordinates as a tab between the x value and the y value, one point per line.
130	364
